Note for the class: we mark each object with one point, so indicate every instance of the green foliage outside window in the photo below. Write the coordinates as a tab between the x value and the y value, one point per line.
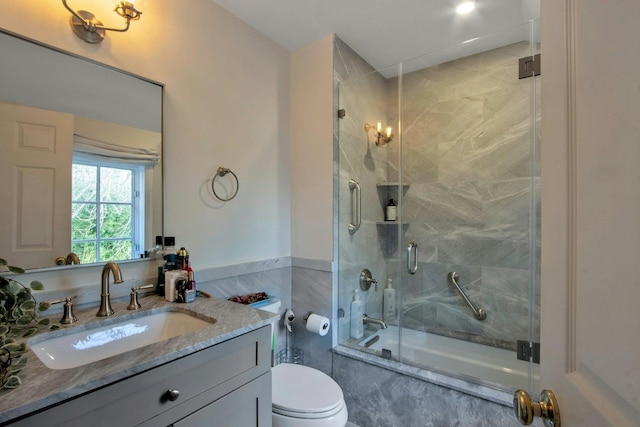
102	213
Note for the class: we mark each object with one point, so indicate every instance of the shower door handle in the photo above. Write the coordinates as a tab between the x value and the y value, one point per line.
412	257
356	206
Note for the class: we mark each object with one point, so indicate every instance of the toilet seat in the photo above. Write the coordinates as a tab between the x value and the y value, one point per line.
303	392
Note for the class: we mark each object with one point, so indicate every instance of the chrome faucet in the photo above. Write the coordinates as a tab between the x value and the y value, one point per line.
72	258
366	319
105	302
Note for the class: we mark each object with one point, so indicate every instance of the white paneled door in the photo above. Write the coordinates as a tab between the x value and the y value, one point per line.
35	185
591	210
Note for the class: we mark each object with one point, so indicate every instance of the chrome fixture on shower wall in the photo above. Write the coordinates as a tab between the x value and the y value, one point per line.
381	138
86	26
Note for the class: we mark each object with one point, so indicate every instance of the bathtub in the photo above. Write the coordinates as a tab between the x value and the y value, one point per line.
454	357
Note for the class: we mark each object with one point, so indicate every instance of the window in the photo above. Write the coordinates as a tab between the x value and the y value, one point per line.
107	210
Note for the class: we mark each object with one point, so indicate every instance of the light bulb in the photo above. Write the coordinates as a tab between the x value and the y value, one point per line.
465	7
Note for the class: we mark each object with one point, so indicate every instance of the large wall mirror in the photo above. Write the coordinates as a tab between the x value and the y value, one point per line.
80	159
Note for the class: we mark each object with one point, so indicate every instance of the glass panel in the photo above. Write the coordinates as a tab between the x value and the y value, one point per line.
84	183
362	156
467	161
84	221
116	221
461	166
114	249
85	251
115	185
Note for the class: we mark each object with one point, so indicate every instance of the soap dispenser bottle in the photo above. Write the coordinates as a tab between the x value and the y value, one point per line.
391	211
389	301
356	316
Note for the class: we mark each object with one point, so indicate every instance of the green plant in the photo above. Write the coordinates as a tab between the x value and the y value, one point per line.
18	319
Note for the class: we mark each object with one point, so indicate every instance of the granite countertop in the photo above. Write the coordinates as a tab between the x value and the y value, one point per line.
42	387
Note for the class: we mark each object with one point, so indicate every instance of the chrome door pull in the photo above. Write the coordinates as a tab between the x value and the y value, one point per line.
412	257
356	205
547	408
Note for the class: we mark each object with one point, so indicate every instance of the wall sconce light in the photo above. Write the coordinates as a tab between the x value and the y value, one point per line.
86	26
466	7
381	138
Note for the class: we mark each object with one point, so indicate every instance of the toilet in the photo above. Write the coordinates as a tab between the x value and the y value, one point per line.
303	396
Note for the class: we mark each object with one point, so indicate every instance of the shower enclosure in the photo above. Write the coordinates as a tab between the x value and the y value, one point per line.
460	161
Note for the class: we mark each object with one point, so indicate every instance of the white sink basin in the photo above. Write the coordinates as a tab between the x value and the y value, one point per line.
84	346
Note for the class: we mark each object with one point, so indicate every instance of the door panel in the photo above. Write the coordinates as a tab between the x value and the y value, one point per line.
590	222
35	171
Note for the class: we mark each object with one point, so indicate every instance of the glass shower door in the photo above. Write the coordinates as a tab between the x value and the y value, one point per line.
469	162
460	162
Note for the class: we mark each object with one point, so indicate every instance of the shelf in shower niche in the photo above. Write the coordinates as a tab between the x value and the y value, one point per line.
392	184
403	223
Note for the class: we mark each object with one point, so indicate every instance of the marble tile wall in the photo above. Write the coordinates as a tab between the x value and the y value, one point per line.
466	157
377	397
300	284
270	276
311	291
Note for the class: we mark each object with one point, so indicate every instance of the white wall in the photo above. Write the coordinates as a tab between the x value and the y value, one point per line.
312	118
226	104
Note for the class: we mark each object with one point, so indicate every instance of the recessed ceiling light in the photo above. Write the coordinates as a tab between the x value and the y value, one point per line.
466	7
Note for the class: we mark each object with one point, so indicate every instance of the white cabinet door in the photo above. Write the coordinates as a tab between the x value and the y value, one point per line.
35	185
591	210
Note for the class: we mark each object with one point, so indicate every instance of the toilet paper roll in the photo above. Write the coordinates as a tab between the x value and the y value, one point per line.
318	325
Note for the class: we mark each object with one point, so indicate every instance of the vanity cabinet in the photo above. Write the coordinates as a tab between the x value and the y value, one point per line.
223	385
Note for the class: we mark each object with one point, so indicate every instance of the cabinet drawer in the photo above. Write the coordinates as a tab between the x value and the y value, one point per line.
248	406
200	378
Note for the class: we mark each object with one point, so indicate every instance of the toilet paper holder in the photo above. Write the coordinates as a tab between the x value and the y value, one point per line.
317	324
305	318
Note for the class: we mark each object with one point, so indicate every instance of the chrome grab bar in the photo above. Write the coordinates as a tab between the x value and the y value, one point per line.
412	257
356	206
478	313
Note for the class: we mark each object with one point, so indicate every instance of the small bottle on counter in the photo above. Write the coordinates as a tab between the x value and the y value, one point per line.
169	253
159	257
190	292
171	279
182	259
160	287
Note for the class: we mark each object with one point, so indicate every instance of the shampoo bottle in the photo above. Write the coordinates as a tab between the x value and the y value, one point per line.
389	301
391	211
356	316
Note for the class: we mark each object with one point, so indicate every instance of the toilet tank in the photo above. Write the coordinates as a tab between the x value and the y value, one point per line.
271	305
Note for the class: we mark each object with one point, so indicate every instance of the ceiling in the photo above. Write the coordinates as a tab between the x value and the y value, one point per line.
387	32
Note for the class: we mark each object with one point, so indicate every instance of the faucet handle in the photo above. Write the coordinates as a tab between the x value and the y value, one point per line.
133	302
67	316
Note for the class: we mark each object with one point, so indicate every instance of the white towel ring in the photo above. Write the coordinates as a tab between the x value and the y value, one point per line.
222	171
